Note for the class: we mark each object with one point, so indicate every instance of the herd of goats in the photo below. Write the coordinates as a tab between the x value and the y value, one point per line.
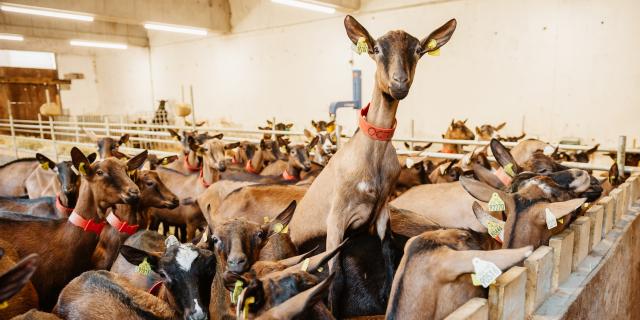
277	230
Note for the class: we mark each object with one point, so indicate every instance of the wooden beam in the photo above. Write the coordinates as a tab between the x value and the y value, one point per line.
36	81
580	229
506	296
474	309
562	245
596	214
539	275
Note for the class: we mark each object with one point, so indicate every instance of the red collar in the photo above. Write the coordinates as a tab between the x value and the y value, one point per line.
155	288
446	150
373	132
62	208
287	176
188	166
121	226
249	168
86	225
201	178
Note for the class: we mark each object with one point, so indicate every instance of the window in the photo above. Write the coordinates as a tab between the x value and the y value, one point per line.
27	59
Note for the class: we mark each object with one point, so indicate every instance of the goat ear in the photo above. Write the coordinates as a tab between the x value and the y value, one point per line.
480	190
483	216
500	126
478	130
614	174
460	262
308	134
282	219
217	136
295	306
80	162
45	162
592	150
485	175
92	157
167	160
406	145
288	125
318	260
124	139
438	37
137	161
355	31
503	156
231	145
136	256
313	143
560	209
263	145
174	134
12	281
230	279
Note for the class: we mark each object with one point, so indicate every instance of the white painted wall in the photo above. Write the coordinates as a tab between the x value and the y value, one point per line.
568	68
82	98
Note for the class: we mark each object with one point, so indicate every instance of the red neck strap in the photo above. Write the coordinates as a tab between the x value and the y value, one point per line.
447	150
201	178
373	132
287	176
121	226
155	289
249	168
67	211
86	225
188	166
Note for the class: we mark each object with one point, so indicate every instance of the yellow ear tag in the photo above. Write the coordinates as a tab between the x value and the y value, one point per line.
81	169
45	165
266	219
331	128
320	269
4	305
144	268
495	203
277	228
165	161
509	170
131	173
613	178
305	265
496	230
247	302
361	46
561	220
285	230
236	292
430	46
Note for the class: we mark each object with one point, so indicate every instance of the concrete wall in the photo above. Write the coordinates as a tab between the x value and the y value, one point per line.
563	68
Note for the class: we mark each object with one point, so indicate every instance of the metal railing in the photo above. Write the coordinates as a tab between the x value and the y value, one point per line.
158	140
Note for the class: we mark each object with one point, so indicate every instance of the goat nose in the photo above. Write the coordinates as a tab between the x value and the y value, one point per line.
400	78
236	263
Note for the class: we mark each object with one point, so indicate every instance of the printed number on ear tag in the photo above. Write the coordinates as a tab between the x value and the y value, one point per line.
496	230
45	165
361	46
495	203
144	268
550	218
486	272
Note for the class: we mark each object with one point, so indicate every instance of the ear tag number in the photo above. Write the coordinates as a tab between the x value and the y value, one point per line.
496	230
81	169
550	218
277	228
486	272
45	165
237	289
361	46
509	170
305	265
495	203
144	268
430	46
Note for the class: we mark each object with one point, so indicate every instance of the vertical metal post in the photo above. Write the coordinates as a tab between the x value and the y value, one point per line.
53	138
122	124
338	136
273	129
13	130
622	144
77	125
413	132
40	126
193	109
107	129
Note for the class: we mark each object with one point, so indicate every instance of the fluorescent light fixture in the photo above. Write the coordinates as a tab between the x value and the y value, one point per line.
306	5
11	37
95	44
46	12
177	29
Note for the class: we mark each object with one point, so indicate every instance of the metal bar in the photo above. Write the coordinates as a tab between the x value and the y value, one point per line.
620	157
106	126
40	125
193	110
13	131
53	138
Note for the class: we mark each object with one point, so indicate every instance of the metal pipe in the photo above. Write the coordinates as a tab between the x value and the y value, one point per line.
13	131
620	158
53	138
40	125
193	110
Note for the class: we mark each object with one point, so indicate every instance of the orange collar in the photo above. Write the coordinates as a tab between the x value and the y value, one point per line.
446	150
201	178
86	225
503	176
188	166
61	207
373	132
249	168
121	226
287	176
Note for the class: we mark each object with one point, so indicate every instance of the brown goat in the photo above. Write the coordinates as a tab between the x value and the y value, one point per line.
16	291
14	175
104	184
457	130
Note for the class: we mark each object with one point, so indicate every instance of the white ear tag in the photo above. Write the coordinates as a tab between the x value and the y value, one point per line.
548	150
550	218
496	203
409	163
443	169
486	272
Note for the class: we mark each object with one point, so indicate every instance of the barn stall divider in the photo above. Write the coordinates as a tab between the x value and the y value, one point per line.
572	277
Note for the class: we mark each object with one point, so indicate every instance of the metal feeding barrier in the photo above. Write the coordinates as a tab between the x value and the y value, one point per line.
158	140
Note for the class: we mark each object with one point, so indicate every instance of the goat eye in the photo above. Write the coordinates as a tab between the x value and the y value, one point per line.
261	235
418	50
99	172
150	183
376	50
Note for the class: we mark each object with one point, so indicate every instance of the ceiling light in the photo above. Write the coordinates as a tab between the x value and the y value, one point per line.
107	45
306	5
12	37
45	12
178	29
